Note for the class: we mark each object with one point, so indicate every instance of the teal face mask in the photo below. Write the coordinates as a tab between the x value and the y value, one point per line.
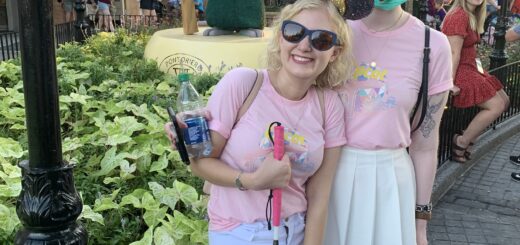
387	4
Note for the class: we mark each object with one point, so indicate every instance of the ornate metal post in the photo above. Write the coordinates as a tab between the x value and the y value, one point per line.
499	56
423	10
81	25
48	205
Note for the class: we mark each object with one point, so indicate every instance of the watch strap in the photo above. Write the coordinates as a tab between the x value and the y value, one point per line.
238	183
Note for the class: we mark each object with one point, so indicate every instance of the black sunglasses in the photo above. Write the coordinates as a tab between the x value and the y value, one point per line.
321	40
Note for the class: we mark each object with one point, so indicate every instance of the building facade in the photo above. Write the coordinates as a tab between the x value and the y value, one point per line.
9	15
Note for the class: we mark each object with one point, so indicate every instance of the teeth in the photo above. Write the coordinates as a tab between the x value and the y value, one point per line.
301	59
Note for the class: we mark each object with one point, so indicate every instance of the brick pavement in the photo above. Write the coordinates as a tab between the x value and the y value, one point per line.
483	206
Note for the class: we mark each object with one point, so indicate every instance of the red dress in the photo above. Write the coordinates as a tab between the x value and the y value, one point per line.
475	87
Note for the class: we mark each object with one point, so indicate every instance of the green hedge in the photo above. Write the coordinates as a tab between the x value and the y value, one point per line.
135	189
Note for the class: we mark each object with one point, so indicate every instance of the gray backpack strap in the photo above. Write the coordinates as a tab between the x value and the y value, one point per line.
322	106
251	96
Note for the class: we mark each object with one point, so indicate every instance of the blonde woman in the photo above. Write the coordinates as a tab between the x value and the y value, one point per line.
474	86
310	49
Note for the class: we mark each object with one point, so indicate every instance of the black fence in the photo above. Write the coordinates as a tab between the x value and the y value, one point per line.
64	33
454	120
9	45
10	41
134	23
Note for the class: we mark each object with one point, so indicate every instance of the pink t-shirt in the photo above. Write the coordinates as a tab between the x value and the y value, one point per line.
379	100
248	143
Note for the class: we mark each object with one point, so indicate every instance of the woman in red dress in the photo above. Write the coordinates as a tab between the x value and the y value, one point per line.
473	85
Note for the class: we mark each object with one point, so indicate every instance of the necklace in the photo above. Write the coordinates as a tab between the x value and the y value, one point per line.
389	27
283	105
373	64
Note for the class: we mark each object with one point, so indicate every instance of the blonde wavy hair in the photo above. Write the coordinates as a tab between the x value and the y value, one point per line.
336	72
476	18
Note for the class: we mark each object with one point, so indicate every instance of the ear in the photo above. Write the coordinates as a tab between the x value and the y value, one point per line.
335	53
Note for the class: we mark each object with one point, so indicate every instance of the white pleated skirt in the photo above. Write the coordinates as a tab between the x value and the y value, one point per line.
373	199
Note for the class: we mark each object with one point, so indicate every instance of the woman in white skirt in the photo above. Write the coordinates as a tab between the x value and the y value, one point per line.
381	194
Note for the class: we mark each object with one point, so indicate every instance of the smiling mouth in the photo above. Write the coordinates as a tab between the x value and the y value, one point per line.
301	60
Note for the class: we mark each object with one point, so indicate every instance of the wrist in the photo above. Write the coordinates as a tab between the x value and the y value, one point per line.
248	181
423	212
420	224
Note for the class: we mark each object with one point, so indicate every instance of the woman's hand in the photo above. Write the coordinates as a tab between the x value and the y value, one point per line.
170	131
420	230
271	174
455	90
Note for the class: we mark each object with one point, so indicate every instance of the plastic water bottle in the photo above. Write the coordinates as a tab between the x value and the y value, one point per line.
189	103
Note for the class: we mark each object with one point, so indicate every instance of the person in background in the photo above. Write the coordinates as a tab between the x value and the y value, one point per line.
148	12
513	34
68	8
436	13
474	86
309	54
381	193
105	17
199	6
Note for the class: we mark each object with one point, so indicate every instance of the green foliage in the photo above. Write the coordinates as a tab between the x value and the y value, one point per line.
512	50
134	187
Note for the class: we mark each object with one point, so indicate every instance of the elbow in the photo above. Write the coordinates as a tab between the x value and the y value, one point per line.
195	169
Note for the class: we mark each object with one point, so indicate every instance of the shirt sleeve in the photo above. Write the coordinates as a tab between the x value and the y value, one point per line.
440	69
456	24
334	120
227	98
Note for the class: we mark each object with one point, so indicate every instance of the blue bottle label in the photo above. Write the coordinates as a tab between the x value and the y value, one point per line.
197	131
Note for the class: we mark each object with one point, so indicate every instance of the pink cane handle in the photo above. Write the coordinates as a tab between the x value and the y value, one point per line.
278	155
278	142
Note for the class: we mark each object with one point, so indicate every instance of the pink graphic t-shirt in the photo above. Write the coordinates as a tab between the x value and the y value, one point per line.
382	92
248	143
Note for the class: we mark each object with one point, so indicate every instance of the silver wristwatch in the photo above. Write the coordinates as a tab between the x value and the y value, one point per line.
238	183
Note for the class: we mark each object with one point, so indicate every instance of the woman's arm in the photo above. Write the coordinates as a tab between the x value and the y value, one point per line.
423	151
270	174
318	192
456	48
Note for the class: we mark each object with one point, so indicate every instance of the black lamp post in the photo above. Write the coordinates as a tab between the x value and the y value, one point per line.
81	25
420	9
48	205
499	56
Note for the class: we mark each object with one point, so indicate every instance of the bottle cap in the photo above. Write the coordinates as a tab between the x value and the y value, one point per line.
183	77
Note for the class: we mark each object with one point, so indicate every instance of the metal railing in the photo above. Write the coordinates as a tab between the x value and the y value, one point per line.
10	41
9	45
134	22
454	119
64	33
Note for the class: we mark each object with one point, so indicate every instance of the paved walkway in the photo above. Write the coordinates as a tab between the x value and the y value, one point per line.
483	207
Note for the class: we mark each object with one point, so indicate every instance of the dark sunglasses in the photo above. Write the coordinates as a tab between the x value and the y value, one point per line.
321	40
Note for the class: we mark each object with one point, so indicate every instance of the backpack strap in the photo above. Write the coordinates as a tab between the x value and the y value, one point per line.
250	96
322	106
422	98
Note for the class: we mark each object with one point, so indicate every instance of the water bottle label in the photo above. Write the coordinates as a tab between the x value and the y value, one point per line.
197	131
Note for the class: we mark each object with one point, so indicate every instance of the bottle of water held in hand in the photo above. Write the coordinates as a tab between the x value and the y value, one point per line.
190	105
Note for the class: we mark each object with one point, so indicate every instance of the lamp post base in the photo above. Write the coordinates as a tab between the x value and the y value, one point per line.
74	234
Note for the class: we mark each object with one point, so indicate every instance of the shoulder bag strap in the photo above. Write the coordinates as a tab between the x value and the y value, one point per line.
251	96
422	98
